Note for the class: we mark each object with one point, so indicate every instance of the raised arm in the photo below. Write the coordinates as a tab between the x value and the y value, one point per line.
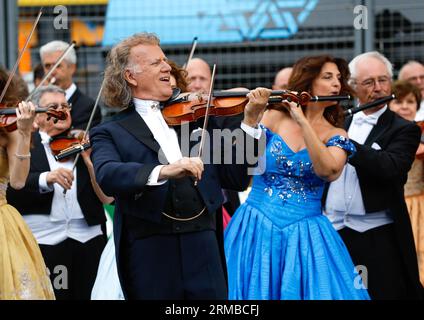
18	145
328	161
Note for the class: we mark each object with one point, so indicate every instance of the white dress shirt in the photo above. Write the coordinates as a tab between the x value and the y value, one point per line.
166	136
344	205
420	113
66	219
70	91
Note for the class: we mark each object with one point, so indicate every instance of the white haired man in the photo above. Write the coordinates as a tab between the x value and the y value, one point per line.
366	203
82	105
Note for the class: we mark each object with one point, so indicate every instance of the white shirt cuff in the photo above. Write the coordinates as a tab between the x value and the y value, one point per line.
253	132
42	183
152	180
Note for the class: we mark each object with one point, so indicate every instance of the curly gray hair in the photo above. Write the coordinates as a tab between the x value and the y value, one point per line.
117	92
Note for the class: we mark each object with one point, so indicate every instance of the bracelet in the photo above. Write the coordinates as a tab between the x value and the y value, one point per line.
23	156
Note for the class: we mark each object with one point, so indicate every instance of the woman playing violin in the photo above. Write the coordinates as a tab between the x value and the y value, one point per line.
406	104
278	244
23	274
65	225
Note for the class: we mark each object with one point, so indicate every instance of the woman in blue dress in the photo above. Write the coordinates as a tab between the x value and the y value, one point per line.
278	245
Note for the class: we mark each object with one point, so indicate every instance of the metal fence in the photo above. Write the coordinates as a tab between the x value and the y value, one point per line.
395	28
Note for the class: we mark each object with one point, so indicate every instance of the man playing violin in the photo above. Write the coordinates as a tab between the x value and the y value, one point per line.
366	203
166	226
67	226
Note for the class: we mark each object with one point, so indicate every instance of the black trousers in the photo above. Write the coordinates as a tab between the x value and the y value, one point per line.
73	267
378	251
172	267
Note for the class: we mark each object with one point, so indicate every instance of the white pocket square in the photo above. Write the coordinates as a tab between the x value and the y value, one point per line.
375	146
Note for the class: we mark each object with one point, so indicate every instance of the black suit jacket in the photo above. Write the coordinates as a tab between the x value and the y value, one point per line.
29	200
82	106
382	175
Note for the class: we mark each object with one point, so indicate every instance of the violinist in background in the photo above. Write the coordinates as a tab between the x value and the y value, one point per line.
366	203
406	104
199	75
68	227
23	273
62	76
278	244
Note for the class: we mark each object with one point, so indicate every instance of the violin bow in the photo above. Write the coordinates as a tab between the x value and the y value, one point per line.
190	56
205	122
90	120
15	67
51	70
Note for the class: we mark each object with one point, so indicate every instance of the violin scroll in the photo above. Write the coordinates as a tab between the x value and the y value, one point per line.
55	114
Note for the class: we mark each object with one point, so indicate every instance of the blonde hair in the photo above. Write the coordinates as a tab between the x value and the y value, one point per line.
117	92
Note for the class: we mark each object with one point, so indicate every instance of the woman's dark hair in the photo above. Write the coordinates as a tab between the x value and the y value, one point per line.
180	76
402	88
307	69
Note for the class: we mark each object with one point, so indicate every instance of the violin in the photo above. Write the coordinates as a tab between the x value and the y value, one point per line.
191	107
72	150
8	119
76	147
66	141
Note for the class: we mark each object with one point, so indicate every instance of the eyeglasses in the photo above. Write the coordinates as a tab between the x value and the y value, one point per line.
382	81
55	106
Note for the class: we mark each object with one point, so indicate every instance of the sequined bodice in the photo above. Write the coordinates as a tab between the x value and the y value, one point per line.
289	182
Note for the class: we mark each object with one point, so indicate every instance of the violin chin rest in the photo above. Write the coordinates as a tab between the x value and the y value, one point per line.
175	93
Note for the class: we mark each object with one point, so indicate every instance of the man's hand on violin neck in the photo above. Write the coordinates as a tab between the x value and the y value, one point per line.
258	100
62	176
182	168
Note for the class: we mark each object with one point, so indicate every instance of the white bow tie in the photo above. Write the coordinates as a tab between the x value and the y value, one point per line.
361	118
156	106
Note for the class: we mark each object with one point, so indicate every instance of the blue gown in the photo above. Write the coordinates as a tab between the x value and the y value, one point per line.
278	245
